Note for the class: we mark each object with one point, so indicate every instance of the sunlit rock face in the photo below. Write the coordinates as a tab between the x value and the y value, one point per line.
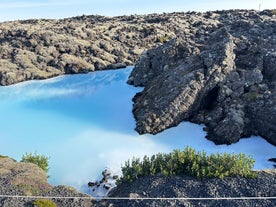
44	48
220	73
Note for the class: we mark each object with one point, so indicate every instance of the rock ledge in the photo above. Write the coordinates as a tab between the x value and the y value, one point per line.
221	71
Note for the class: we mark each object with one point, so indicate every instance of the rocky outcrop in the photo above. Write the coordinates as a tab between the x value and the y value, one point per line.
101	188
18	178
27	179
188	187
220	72
39	49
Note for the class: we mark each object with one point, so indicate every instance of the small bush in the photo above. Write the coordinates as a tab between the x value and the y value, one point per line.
2	156
44	203
189	162
40	160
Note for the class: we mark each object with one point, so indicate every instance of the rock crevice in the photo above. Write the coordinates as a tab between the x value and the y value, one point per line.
224	79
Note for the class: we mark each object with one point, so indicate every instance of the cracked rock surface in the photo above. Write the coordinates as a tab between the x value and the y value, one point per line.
44	48
221	73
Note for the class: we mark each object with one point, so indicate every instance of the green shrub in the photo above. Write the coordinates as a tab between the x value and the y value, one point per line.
189	162
40	160
2	156
44	203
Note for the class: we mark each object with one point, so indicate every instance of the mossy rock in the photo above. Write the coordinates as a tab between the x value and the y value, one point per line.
44	203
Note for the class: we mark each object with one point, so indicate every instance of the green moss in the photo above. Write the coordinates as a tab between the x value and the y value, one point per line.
2	156
189	162
44	203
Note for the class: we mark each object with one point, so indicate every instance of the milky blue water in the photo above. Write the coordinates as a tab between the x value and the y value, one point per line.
84	123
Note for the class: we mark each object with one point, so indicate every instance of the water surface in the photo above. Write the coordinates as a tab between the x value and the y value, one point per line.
84	123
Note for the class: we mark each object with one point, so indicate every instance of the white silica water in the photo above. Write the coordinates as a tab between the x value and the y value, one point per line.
84	123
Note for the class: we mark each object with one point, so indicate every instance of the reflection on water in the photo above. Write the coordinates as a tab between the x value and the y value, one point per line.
84	123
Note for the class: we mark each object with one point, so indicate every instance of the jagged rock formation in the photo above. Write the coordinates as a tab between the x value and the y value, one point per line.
189	187
221	72
39	49
23	179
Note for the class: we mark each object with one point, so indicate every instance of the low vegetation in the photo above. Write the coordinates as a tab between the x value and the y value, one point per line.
40	160
33	187
44	203
2	156
189	162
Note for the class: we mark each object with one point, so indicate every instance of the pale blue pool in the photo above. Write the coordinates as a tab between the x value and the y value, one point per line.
84	123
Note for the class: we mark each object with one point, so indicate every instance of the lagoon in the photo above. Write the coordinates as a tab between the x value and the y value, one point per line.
84	123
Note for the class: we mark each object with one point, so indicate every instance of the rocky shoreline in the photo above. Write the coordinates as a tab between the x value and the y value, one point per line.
190	187
40	49
223	75
27	179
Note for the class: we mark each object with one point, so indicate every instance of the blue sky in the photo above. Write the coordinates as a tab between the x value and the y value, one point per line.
26	9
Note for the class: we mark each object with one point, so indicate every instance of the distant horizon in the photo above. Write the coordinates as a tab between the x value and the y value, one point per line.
11	10
108	16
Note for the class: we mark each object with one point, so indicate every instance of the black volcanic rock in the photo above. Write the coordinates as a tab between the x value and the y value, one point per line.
189	187
39	49
220	72
28	179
